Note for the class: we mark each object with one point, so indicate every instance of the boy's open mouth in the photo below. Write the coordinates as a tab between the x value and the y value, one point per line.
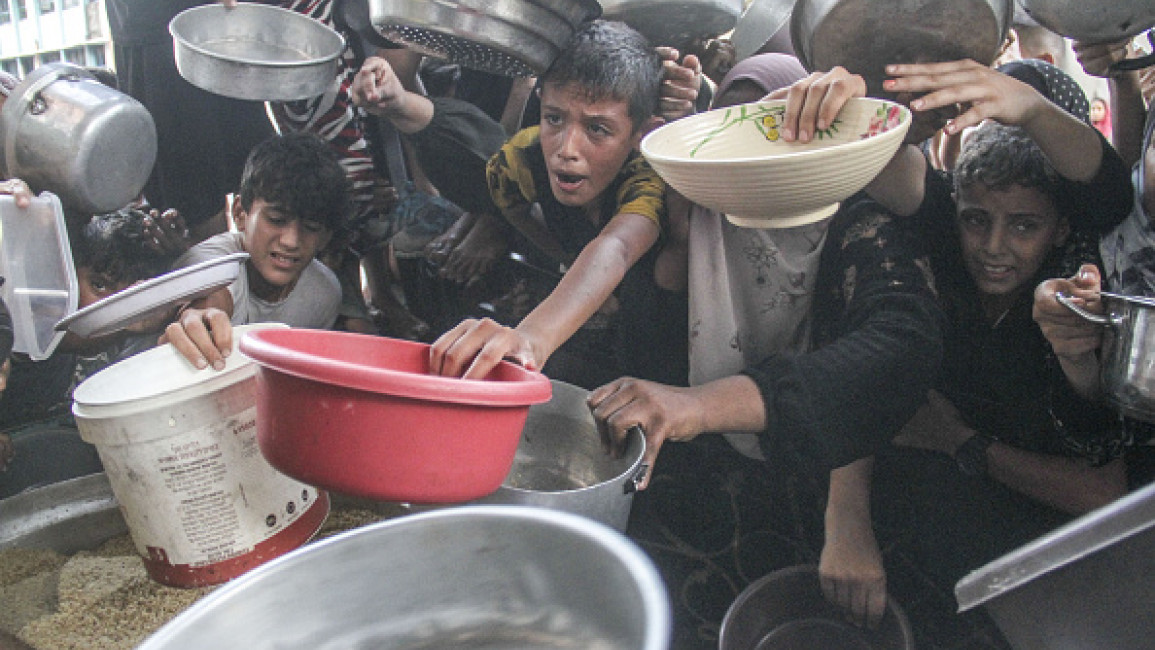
283	260
569	181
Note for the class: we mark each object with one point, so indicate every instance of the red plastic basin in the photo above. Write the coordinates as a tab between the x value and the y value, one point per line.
361	415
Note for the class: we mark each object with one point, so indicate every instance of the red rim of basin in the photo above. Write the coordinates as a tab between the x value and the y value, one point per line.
512	384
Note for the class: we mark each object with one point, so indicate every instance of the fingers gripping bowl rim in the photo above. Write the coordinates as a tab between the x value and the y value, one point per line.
735	161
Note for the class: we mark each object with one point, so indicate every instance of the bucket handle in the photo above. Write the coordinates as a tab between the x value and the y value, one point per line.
1106	321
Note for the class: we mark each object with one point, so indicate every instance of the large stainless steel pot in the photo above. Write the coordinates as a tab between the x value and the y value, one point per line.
255	52
466	577
64	132
1085	586
1128	353
675	22
863	36
560	463
512	37
1092	21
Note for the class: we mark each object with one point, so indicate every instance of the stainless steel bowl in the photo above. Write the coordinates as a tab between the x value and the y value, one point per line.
465	577
255	52
512	37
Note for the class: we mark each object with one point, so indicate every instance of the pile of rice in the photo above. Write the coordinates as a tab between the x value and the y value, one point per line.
103	599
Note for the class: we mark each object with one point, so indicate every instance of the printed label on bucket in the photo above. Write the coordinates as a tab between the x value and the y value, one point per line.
206	495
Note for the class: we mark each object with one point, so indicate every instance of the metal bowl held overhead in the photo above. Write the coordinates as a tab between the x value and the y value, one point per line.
864	36
518	38
675	22
255	52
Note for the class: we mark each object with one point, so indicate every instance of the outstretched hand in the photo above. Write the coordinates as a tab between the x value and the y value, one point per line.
813	103
979	93
1071	336
203	336
681	82
475	347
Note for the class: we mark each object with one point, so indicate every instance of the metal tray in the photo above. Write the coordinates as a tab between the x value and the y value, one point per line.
1085	585
141	301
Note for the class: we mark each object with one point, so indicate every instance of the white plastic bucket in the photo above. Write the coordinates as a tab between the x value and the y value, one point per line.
180	449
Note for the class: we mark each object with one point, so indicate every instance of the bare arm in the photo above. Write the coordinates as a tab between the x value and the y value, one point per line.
379	90
1068	484
850	568
474	348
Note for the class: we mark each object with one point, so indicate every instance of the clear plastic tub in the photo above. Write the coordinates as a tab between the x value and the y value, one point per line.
40	285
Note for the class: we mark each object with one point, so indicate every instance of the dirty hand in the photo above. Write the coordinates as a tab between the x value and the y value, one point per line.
813	103
851	573
1097	58
662	412
166	233
376	87
203	336
1070	335
19	190
475	347
680	84
978	92
937	426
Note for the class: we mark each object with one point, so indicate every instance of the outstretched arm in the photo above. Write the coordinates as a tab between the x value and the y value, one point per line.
850	568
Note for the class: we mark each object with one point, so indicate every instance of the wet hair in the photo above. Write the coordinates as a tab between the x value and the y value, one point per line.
999	156
611	60
113	244
299	173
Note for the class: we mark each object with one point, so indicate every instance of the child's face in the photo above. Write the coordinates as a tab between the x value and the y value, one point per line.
1006	235
280	246
93	286
585	143
1098	111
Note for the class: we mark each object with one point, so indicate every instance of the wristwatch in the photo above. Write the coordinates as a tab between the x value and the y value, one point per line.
971	455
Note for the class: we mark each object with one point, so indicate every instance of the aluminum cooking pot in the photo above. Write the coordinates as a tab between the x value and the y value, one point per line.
675	22
1097	22
864	36
510	37
64	132
560	463
1128	357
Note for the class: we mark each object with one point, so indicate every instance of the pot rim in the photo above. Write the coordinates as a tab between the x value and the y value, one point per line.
522	388
180	40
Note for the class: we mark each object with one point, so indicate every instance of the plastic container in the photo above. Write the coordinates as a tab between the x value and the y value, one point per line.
362	415
180	450
40	285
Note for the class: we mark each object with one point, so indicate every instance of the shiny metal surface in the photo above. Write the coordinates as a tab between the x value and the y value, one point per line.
514	37
1092	21
758	23
560	463
675	22
1085	586
1128	354
466	577
865	35
66	517
64	132
255	52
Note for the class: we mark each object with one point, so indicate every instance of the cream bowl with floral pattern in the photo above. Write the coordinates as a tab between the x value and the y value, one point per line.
734	160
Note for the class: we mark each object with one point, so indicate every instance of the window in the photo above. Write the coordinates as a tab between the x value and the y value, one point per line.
74	55
96	56
5	13
21	9
49	57
47	6
69	4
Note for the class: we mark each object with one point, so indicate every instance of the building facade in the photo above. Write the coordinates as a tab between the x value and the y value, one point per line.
35	32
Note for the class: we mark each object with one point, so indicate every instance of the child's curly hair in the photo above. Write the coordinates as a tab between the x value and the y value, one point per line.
113	244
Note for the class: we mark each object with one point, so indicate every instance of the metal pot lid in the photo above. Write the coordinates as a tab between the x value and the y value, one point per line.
864	36
675	22
758	24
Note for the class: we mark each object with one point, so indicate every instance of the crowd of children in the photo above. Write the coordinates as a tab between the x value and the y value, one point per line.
897	376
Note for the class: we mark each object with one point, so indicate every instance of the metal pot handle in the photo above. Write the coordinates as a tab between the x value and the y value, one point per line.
1137	63
632	484
1067	302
